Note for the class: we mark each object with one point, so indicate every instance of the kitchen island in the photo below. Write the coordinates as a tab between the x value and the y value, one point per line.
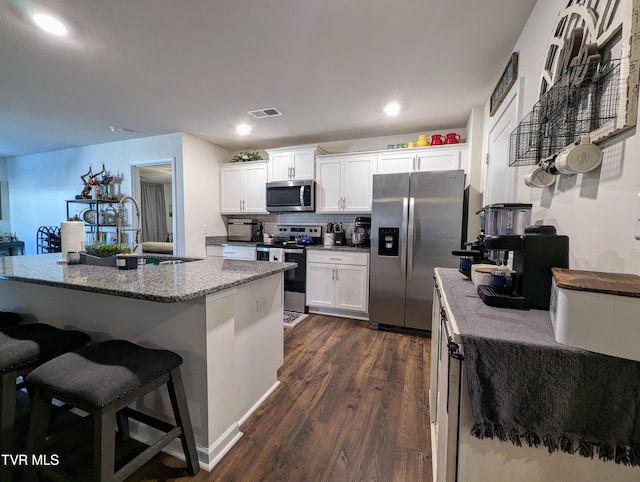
544	404
224	317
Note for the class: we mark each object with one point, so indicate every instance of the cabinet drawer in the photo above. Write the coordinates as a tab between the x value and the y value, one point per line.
214	250
338	257
239	252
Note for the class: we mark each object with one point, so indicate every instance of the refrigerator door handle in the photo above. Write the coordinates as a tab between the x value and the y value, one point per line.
410	234
403	233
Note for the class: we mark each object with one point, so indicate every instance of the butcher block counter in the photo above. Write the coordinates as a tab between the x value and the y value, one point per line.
508	402
223	317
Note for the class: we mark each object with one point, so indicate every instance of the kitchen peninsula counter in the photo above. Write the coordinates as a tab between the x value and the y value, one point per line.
223	317
165	283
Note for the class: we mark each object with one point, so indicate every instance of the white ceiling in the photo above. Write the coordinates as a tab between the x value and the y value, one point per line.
197	66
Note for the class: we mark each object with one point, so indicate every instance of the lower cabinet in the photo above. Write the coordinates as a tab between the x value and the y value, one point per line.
338	281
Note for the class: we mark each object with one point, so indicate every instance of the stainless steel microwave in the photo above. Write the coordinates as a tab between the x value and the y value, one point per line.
291	196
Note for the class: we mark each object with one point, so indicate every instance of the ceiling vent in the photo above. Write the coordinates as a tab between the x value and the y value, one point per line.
266	112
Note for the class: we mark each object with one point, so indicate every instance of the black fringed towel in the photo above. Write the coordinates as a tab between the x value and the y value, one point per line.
526	388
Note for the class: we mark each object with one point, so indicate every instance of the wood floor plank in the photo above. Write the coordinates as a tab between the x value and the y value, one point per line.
352	406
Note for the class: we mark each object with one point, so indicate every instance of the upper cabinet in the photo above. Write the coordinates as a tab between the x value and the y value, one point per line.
344	183
433	158
292	163
242	187
442	158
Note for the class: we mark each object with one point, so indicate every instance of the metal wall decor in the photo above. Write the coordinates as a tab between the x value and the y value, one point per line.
589	82
507	79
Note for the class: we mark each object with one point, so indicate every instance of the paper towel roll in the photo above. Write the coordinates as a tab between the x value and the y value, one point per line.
71	237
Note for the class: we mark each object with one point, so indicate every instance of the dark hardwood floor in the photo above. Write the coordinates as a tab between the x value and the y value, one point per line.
352	405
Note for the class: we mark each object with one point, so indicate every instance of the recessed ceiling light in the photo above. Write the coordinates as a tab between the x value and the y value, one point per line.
392	108
243	129
116	129
50	24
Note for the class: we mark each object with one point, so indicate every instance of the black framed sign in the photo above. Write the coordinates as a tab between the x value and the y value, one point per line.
507	79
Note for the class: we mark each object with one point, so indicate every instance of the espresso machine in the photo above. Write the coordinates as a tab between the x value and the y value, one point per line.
361	232
495	219
528	285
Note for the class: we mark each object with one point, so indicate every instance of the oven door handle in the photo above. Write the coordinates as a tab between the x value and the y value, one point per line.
294	251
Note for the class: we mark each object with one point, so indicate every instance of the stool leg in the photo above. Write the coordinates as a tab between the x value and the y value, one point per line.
38	423
8	416
123	426
181	414
104	445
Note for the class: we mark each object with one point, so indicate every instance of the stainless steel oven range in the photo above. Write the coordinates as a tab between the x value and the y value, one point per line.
289	244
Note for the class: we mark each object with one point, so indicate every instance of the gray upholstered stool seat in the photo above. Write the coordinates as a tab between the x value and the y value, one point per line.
22	348
103	379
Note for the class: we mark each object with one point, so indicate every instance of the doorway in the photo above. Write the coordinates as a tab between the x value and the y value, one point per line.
153	185
500	179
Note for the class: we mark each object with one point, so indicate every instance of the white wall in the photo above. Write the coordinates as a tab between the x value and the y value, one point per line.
596	210
5	221
201	180
39	184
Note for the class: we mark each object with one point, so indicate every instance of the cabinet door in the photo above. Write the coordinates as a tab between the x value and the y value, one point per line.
352	288
303	164
279	166
320	284
255	200
393	163
358	184
439	160
232	190
329	186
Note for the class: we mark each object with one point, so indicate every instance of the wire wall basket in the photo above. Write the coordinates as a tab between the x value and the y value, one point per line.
585	100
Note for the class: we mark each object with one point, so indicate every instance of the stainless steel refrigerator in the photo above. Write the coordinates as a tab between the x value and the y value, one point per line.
416	221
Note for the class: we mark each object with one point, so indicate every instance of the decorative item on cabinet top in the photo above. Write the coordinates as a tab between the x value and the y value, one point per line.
246	156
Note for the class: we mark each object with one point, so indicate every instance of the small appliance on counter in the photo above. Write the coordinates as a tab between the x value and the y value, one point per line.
361	232
244	230
528	285
340	238
495	219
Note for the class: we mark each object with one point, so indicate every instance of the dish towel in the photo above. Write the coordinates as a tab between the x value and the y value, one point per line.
276	254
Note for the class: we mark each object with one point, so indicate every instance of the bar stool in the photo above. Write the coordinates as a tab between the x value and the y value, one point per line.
103	379
23	348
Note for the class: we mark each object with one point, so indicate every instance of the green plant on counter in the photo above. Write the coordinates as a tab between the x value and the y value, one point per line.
102	250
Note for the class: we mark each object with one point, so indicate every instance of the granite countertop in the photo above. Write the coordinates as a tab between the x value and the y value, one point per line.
170	283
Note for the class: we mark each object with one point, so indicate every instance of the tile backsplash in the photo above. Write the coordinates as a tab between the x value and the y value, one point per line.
270	221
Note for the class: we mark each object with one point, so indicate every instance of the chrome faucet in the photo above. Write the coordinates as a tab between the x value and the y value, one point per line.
120	221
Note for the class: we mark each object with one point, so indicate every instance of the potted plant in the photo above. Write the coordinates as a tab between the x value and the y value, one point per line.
103	254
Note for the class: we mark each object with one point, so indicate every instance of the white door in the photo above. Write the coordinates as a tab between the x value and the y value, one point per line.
358	184
320	284
351	288
279	166
393	163
436	160
255	198
304	164
232	190
329	185
499	177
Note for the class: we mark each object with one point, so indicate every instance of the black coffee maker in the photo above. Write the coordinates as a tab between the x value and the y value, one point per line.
534	254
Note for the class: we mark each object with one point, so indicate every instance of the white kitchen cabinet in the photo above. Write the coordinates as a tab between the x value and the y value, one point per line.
292	163
345	183
338	282
442	158
214	250
242	188
393	162
432	158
